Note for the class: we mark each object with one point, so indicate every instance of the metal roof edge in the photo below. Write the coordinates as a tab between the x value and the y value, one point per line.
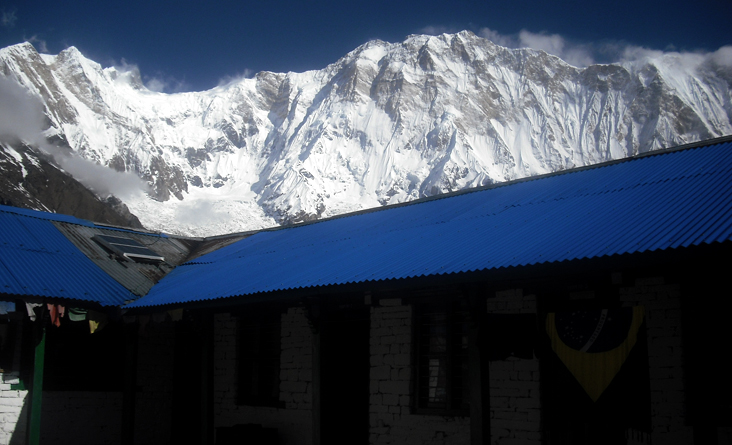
48	216
544	270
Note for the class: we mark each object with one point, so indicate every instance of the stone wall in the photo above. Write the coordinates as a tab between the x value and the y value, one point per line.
294	421
391	420
515	396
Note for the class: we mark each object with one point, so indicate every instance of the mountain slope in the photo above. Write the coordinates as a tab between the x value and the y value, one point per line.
386	123
29	180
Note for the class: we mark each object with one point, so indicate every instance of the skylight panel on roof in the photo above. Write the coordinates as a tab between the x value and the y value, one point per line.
127	248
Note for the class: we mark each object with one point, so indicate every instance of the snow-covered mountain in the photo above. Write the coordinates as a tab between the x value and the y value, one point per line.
387	123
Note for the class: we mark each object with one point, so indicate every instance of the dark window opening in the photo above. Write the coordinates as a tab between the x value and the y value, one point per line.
442	359
9	333
259	361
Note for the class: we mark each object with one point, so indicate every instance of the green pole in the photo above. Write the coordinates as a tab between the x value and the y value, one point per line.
34	437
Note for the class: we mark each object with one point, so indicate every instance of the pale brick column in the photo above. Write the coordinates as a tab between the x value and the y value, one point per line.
391	374
665	357
12	416
296	361
515	396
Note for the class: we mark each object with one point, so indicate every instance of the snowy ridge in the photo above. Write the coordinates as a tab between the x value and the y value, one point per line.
387	123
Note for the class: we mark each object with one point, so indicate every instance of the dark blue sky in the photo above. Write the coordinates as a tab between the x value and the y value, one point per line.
194	45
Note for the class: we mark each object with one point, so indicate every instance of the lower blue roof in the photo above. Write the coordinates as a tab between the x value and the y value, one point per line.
666	200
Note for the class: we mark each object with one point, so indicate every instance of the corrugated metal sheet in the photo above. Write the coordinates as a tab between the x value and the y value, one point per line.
665	201
139	278
37	260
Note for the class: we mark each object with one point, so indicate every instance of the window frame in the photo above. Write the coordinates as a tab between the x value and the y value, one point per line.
260	362
456	312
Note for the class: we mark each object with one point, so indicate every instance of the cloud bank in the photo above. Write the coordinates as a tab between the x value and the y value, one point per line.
228	80
22	120
130	73
582	54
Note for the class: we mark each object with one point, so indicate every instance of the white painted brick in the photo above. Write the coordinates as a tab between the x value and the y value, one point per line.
10	409
8	401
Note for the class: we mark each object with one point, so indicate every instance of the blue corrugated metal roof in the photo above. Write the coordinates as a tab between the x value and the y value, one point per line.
664	201
37	260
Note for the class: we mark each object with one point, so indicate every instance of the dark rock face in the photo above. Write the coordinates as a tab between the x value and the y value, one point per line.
30	181
166	180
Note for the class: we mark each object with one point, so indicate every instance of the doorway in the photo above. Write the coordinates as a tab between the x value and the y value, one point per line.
344	377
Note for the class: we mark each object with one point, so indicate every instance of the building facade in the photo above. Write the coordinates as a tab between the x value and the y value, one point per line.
581	307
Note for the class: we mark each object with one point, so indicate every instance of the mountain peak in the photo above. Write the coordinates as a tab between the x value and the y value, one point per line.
20	49
387	123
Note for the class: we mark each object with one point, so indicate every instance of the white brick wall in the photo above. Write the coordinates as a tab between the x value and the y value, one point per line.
511	301
515	401
296	361
12	414
391	373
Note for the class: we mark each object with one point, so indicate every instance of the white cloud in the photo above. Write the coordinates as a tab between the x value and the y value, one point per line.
21	115
437	30
498	38
156	85
584	54
166	84
723	56
633	53
22	120
39	43
8	19
227	80
104	181
126	67
130	72
551	43
575	54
